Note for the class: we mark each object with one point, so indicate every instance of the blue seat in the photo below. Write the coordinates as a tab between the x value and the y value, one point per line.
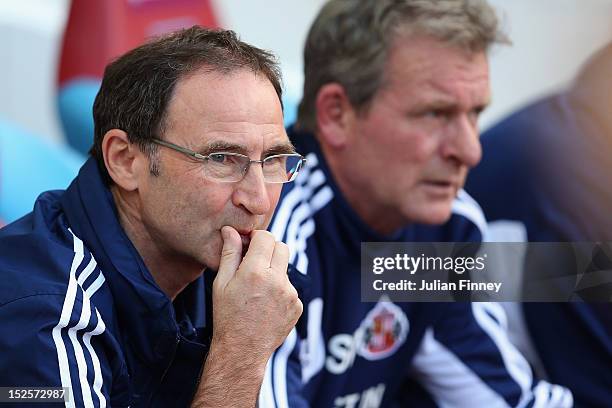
30	165
75	102
290	110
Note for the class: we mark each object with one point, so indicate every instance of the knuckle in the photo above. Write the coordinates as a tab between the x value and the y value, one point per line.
299	307
294	311
293	294
263	235
266	234
228	252
257	277
261	242
258	265
290	295
282	248
227	256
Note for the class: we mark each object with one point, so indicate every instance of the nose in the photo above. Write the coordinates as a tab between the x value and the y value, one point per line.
251	192
462	142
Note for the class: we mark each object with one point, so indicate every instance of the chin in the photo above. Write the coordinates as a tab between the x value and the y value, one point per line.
432	215
211	262
211	258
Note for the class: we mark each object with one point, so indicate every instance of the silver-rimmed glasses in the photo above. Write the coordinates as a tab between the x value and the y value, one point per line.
232	167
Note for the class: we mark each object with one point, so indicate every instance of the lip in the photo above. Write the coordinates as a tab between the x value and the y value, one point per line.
443	187
442	183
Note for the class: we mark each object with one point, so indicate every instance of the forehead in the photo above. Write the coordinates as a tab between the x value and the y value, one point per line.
239	107
422	67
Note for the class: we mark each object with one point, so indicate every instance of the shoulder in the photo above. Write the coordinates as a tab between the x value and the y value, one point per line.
467	221
27	342
36	252
32	329
55	340
48	317
50	285
41	258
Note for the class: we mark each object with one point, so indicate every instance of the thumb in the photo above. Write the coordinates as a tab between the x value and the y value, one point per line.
231	256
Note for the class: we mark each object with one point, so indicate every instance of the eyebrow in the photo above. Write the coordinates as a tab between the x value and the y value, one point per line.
280	148
448	105
222	146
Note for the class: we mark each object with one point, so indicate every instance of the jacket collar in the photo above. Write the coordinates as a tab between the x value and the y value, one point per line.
143	308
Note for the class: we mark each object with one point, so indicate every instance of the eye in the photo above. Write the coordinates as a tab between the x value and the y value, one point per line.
437	114
475	114
273	160
218	158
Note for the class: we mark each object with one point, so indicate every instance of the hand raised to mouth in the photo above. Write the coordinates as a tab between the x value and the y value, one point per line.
255	306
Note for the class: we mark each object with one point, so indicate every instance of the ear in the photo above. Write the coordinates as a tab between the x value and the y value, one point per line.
123	160
334	115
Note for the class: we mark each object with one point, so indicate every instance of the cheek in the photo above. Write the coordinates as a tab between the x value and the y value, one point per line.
420	146
407	141
201	208
274	191
210	198
411	155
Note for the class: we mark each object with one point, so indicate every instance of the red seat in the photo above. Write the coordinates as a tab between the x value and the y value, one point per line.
98	31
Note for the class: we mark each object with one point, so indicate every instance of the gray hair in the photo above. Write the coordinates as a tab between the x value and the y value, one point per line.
349	42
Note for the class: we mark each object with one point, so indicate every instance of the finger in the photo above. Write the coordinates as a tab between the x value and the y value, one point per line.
231	255
260	250
280	258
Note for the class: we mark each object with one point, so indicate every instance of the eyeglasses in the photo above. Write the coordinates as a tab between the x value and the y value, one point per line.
232	167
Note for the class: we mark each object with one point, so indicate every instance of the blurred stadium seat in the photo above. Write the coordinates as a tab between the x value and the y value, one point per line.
76	100
30	165
99	31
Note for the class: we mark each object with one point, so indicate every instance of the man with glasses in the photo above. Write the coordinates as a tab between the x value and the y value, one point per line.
229	167
388	123
109	289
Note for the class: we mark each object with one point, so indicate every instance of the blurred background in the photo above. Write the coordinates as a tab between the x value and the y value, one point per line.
53	53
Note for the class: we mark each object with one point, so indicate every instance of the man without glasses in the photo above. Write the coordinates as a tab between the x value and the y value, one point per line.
388	124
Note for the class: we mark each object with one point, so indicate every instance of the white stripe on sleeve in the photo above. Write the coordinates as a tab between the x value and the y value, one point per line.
95	285
266	394
68	307
62	356
97	384
280	360
304	184
515	363
466	206
78	351
448	380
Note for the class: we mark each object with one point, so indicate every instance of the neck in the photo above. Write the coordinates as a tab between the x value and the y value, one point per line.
160	261
360	197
